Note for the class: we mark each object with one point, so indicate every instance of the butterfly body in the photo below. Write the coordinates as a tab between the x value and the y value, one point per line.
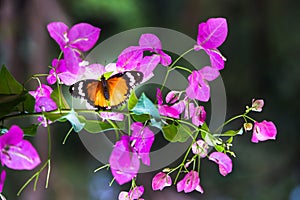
107	93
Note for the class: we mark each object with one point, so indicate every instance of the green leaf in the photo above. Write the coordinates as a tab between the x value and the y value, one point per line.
106	75
170	132
145	106
54	116
55	97
176	133
205	128
95	126
183	133
28	104
30	130
230	139
219	148
8	102
233	133
140	118
8	84
132	100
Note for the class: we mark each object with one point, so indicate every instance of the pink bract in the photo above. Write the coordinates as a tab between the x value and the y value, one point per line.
189	183
143	139
223	160
160	181
263	131
2	180
212	34
124	162
17	153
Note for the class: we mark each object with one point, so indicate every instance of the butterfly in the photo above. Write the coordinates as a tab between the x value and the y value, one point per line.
107	93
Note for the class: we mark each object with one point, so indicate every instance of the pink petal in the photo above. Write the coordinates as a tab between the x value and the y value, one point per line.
2	180
150	41
124	164
58	31
159	96
94	71
209	73
217	61
198	88
212	33
200	148
263	131
160	181
83	36
130	58
72	60
173	96
44	104
257	105
168	111
112	116
147	65
144	139
165	59
12	137
21	156
223	160
136	192
123	196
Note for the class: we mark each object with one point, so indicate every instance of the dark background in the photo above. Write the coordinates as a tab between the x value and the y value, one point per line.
262	49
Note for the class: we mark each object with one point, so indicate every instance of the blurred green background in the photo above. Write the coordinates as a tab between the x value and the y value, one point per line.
262	49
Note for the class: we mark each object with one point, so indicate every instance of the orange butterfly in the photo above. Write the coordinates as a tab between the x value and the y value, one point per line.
107	93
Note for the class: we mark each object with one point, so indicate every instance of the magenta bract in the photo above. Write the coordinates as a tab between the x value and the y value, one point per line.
223	160
160	181
17	153
263	131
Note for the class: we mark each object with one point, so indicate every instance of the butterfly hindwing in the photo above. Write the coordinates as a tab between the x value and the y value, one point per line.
105	94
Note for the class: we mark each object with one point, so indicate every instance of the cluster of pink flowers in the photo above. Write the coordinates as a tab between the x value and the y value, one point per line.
134	148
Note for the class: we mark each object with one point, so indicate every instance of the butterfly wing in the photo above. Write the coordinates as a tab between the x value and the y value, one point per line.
91	90
120	86
107	93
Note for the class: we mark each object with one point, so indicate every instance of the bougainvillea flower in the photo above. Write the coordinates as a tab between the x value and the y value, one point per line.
124	162
142	138
173	111
189	183
17	153
198	114
198	83
41	91
263	131
43	101
160	181
147	65
211	35
173	96
112	116
44	104
130	58
80	38
133	194
151	42
223	160
257	105
60	71
2	180
200	148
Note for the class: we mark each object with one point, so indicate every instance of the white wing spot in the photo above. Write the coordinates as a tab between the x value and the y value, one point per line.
80	92
131	79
